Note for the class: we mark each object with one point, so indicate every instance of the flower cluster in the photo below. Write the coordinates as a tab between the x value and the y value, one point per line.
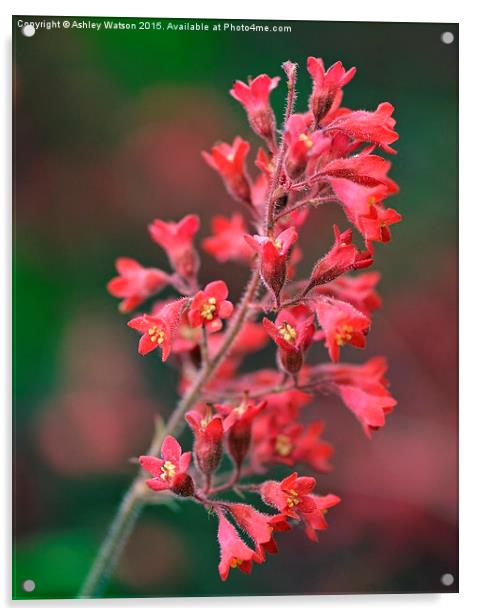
244	423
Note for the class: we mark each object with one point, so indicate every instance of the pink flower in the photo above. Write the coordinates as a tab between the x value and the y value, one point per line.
227	242
341	258
274	254
327	85
290	496
255	100
367	170
176	239
169	471
292	332
135	283
315	520
362	207
210	306
290	443
363	390
302	144
159	330
208	433
342	324
234	552
258	526
368	126
230	162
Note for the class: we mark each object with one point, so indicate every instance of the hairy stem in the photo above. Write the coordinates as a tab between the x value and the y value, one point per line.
133	501
131	505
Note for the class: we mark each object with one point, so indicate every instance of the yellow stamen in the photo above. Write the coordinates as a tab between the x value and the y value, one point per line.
156	335
230	157
293	499
307	140
287	332
343	334
235	562
283	445
168	470
209	308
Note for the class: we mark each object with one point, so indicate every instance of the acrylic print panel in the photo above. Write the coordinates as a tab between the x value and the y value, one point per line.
291	287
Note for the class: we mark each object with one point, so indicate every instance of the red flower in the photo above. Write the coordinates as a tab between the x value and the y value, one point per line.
210	306
362	207
291	496
176	239
292	332
258	526
342	324
363	390
302	145
356	290
208	433
230	162
365	169
227	242
274	254
169	471
368	126
234	552
255	100
135	283
160	329
275	441
238	424
341	258
315	520
327	85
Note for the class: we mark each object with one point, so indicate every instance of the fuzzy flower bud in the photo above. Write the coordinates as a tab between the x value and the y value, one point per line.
208	433
255	100
274	254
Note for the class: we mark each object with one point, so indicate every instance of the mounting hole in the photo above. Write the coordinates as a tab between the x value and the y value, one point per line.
28	30
28	585
447	579
447	38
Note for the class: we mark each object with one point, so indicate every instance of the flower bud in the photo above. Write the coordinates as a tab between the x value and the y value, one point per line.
183	485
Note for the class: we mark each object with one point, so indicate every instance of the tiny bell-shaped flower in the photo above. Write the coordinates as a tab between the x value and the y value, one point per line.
255	99
177	241
234	552
208	434
274	254
136	283
208	307
292	332
327	85
341	258
159	330
230	162
342	324
169	471
238	425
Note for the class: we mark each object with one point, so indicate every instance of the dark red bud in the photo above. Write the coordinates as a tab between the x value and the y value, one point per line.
208	447
291	361
183	485
239	441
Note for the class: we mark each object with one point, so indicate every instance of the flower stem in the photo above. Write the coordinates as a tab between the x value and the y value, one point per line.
131	505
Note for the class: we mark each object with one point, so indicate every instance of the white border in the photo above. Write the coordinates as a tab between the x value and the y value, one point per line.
359	10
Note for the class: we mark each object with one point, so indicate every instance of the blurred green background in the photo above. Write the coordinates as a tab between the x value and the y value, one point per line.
108	129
